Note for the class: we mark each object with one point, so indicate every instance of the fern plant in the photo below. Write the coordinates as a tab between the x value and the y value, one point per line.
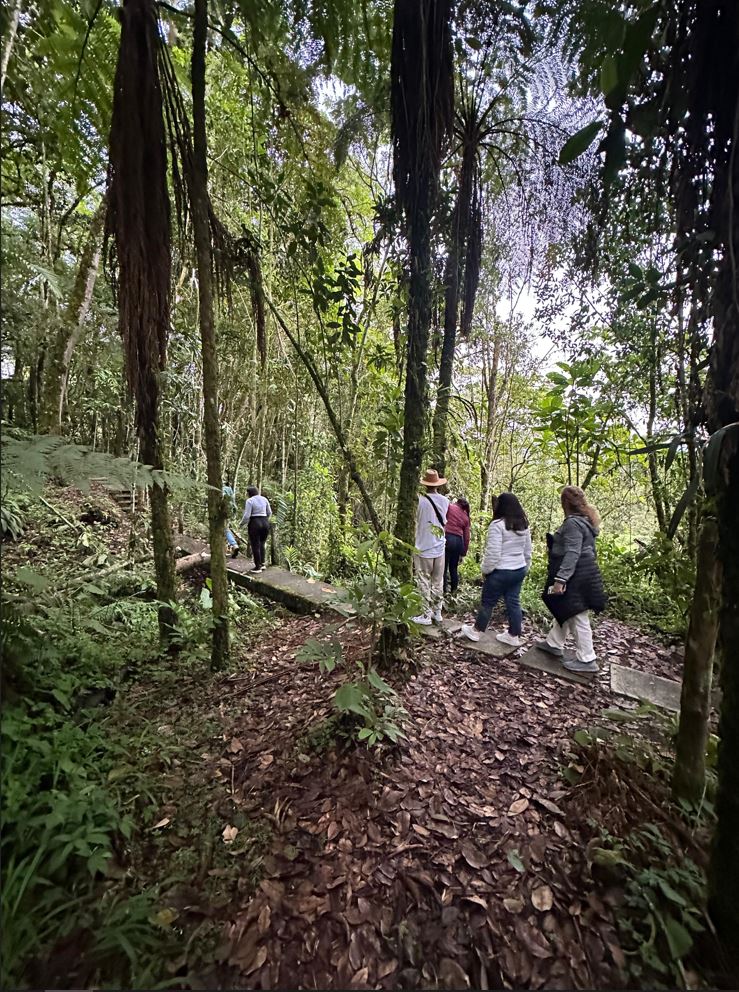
12	518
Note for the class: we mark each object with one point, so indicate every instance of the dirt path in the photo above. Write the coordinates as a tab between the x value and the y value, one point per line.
450	862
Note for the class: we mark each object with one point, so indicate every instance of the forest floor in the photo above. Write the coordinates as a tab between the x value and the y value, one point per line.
459	858
283	856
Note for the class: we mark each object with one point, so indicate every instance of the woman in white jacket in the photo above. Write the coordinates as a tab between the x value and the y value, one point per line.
505	563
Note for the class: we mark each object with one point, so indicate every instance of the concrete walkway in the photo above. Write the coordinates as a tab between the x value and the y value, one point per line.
304	595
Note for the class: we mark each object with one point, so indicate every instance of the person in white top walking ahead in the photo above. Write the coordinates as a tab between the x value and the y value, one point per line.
430	546
257	512
506	561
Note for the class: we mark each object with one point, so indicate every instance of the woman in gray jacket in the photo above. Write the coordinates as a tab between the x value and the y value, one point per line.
574	583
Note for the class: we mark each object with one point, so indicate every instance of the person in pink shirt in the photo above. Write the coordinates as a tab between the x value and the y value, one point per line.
457	533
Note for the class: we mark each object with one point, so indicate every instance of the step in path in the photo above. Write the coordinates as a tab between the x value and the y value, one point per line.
305	595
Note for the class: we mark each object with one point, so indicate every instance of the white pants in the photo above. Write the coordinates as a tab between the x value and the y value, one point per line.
582	635
430	581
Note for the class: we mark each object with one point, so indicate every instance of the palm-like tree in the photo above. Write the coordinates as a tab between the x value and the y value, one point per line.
422	100
497	137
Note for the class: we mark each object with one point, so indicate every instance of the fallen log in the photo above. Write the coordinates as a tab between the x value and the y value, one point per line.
191	561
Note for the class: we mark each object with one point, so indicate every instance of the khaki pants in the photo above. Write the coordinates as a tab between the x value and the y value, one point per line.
430	581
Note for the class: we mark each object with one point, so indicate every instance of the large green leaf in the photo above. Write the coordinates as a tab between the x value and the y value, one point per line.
678	938
579	142
350	698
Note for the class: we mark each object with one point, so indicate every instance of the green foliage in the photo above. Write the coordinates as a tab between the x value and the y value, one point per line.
652	586
11	517
369	703
663	909
30	460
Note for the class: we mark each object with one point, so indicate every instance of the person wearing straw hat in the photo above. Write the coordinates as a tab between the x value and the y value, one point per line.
428	560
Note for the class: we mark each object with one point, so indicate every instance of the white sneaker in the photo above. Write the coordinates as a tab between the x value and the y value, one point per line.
424	621
507	638
470	633
436	616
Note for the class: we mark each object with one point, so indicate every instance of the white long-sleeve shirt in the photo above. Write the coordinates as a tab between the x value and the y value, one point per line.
430	539
256	506
508	549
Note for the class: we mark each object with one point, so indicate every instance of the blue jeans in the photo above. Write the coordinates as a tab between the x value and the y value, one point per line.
454	552
230	539
505	582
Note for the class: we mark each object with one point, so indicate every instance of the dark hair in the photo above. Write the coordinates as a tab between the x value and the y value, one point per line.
463	505
252	490
509	509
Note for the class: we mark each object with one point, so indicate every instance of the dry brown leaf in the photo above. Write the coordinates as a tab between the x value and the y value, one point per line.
263	920
475	900
549	806
230	834
360	978
513	905
162	823
542	898
451	975
333	829
385	968
258	961
473	855
518	806
447	829
235	746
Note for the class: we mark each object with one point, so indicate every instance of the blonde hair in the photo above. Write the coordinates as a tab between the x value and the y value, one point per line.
574	502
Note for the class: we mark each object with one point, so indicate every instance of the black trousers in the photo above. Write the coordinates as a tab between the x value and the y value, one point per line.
454	551
258	534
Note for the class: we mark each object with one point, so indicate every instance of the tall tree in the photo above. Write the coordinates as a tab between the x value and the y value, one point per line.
709	35
138	251
422	95
71	328
212	426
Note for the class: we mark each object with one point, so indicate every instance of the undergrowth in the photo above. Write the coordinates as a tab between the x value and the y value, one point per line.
648	852
102	738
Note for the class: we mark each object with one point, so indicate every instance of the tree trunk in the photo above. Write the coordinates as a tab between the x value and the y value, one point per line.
452	278
70	331
138	244
416	400
723	410
695	701
161	531
490	381
724	871
212	427
346	452
11	29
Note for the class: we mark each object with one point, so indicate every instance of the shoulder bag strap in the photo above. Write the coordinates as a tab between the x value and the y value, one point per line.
442	522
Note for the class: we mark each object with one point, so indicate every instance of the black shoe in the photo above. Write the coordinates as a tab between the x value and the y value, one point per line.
549	649
235	552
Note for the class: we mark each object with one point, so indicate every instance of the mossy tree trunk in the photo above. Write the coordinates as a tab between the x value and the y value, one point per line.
689	776
422	97
212	428
137	244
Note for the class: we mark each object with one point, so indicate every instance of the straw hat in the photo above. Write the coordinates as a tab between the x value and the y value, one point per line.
431	478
